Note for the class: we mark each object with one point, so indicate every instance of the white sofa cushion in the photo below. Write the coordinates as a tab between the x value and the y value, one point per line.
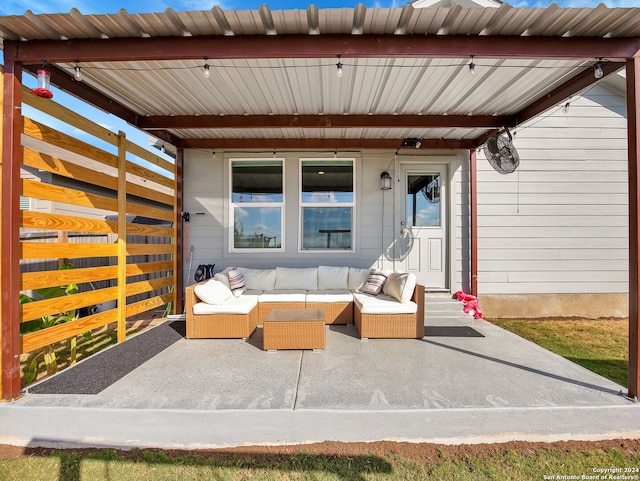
357	277
383	304
283	295
334	295
400	286
212	292
233	305
297	278
330	277
259	279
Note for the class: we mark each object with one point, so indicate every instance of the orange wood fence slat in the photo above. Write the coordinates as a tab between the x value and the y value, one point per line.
47	250
56	193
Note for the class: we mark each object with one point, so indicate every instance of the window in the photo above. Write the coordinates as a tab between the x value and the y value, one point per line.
327	201
257	201
423	200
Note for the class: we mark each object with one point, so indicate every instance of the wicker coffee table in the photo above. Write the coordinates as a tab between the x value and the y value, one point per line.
294	329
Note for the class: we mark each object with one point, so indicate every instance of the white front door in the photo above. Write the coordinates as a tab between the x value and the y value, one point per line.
421	233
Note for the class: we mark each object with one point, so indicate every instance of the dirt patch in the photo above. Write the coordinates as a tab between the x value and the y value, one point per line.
418	452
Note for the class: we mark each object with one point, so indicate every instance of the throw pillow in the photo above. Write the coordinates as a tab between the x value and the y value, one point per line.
400	286
374	282
236	282
212	292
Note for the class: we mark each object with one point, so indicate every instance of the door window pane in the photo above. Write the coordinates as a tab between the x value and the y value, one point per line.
423	200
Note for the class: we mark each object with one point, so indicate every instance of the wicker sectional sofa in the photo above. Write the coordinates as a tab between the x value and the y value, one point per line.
343	293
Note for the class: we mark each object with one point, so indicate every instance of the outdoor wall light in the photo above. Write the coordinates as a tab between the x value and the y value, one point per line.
385	181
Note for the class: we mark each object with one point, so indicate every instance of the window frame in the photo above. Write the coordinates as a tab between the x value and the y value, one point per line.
302	205
232	208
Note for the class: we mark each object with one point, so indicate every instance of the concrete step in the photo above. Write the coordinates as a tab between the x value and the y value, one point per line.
441	309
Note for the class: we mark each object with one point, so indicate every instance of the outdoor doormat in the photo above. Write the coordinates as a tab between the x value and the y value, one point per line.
101	370
451	331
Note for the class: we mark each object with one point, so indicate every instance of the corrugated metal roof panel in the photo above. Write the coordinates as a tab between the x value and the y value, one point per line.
456	20
370	86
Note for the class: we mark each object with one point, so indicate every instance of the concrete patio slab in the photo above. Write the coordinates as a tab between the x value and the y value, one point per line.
211	393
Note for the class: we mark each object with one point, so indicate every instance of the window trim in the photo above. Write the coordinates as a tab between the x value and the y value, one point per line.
232	205
302	205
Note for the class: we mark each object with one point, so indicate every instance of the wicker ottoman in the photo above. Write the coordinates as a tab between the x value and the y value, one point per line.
294	329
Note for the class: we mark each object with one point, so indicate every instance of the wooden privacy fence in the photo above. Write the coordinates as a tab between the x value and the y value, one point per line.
124	188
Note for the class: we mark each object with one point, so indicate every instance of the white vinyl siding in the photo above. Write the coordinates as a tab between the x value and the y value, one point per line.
560	223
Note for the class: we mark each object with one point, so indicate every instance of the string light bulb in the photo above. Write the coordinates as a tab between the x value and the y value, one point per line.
206	69
339	73
472	67
597	70
77	73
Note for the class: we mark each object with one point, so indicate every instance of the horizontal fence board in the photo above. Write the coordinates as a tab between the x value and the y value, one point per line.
148	304
42	220
49	307
63	141
37	160
45	337
149	249
55	193
138	151
68	116
60	140
71	250
63	277
149	230
148	268
150	285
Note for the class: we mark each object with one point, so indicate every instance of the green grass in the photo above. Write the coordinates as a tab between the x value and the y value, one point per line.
492	464
598	345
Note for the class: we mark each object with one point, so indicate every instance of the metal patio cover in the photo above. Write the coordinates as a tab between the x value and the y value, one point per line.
273	85
273	74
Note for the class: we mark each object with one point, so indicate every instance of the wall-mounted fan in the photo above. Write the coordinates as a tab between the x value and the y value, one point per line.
501	153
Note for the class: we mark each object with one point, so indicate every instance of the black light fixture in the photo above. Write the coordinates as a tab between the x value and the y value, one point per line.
411	143
385	181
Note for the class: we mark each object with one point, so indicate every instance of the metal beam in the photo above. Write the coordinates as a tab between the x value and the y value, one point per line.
178	224
65	81
633	130
323	121
574	85
10	235
322	144
473	219
314	46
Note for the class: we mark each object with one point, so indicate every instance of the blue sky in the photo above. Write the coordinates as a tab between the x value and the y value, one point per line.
18	7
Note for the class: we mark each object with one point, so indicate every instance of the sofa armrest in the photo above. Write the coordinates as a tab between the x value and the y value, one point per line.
190	300
418	298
